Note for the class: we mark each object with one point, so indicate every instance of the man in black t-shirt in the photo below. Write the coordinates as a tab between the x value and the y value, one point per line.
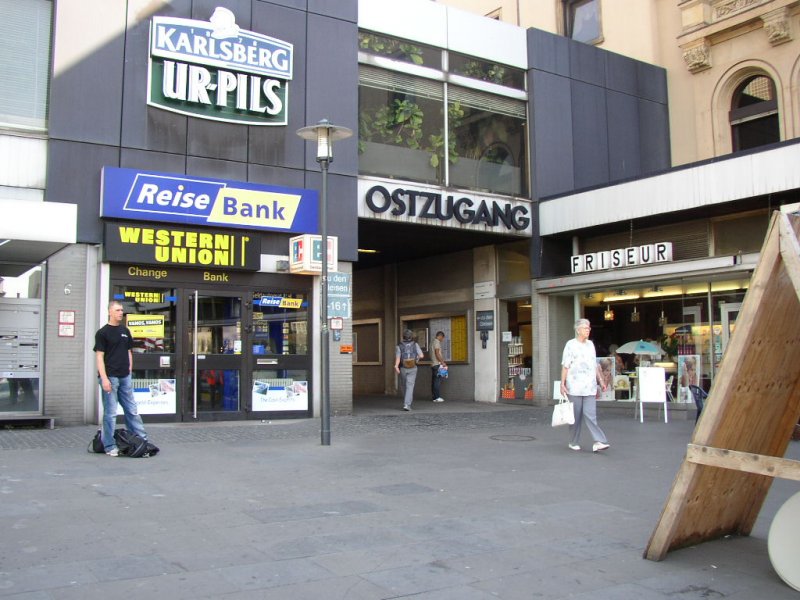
112	347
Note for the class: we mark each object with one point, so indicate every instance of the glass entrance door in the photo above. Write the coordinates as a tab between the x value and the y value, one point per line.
214	356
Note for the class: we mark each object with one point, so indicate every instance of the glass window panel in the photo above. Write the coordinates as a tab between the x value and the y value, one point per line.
401	126
24	62
280	323
150	315
219	325
19	394
27	285
280	390
217	389
488	134
583	20
401	50
491	72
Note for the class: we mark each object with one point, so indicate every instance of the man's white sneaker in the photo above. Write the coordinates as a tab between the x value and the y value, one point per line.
113	452
438	399
599	446
574	447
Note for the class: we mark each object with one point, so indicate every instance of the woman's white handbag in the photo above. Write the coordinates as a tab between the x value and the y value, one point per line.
563	414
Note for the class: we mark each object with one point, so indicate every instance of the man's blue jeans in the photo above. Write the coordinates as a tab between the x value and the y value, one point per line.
122	392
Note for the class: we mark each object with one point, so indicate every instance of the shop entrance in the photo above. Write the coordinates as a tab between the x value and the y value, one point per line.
214	357
213	354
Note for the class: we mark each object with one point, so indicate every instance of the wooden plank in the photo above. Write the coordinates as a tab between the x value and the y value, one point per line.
671	515
747	462
751	411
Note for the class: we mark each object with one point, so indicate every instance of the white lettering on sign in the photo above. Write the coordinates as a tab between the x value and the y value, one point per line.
647	254
216	70
150	193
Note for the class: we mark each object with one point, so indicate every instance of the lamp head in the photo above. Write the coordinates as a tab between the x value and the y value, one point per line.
324	133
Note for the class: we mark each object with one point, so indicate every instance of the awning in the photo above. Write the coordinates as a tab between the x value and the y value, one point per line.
32	231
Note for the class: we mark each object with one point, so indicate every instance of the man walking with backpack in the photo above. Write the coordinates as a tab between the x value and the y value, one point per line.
406	355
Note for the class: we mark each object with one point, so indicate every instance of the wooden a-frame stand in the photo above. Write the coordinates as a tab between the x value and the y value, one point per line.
754	404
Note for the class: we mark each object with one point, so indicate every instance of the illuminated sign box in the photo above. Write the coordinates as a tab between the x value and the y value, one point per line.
181	247
305	254
192	200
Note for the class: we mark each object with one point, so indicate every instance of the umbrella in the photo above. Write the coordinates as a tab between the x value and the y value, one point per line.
639	347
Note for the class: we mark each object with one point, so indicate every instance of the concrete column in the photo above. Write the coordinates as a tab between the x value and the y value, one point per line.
540	317
486	363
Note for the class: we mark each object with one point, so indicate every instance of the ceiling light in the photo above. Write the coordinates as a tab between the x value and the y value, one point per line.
368	251
608	314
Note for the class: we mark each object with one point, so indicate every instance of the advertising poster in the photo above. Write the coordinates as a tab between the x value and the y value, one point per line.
153	396
607	372
689	373
280	395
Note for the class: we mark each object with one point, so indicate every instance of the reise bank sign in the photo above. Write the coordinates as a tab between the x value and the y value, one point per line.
214	70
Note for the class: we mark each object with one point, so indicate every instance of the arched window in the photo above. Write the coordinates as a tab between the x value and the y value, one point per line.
754	114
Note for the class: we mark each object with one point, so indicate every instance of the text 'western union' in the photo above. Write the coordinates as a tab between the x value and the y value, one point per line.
187	247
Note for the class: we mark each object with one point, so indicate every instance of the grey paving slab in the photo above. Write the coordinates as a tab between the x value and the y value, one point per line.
452	501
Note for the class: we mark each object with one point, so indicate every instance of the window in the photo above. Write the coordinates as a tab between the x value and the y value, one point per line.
582	20
478	142
754	114
24	63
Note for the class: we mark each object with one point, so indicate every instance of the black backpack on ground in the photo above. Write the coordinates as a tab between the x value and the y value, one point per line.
129	444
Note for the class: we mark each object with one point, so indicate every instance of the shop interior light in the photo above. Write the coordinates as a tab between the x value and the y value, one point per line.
525	303
635	315
660	292
621	295
662	320
368	251
608	314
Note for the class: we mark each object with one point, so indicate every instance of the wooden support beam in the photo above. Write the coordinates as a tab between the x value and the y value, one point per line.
772	466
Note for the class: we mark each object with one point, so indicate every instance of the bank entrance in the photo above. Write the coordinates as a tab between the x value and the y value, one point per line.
206	350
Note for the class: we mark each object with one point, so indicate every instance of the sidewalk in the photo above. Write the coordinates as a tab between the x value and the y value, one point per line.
457	501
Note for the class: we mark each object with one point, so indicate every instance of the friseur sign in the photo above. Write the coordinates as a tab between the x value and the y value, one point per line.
214	70
173	246
190	200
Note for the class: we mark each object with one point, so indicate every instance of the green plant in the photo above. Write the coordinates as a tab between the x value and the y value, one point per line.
490	72
401	124
669	343
379	44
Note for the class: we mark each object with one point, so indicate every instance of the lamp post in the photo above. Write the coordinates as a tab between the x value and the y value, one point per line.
324	133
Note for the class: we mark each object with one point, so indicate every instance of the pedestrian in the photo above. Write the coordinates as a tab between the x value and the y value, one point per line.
580	377
437	360
406	355
113	345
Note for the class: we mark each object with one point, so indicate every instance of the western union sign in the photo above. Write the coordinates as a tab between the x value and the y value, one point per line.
134	243
190	200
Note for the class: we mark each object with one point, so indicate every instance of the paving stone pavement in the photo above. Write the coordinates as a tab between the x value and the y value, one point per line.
456	502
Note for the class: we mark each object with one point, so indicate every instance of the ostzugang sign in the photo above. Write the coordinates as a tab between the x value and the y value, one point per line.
183	199
215	70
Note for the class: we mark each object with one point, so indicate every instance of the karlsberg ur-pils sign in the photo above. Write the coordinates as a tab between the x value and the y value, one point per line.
214	70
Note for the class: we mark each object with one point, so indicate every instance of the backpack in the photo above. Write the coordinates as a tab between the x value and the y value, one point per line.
129	444
408	354
132	445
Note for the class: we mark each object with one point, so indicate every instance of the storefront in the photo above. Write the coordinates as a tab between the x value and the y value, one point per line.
214	335
675	279
205	349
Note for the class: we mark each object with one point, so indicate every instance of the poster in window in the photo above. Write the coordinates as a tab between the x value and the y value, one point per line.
605	364
689	373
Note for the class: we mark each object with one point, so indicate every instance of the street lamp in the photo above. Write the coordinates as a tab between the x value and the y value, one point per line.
324	133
